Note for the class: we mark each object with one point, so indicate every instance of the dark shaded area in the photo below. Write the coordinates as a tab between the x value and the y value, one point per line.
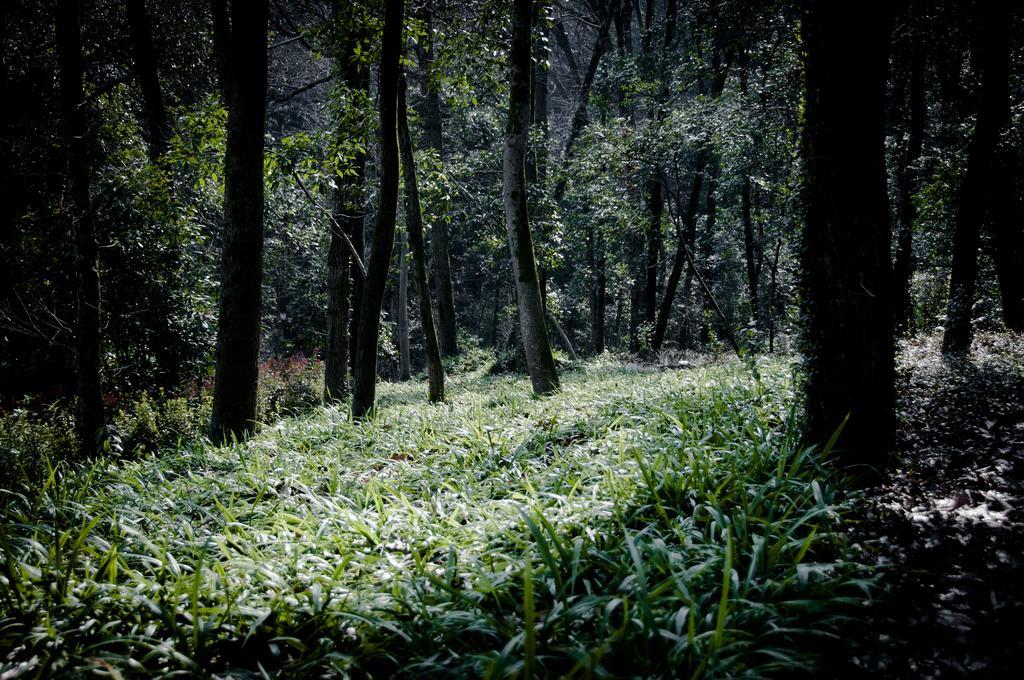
948	524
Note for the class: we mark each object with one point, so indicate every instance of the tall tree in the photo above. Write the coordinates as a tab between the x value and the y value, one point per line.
158	130
414	225
903	265
240	34
346	229
1008	239
402	327
992	60
89	422
539	360
439	237
848	339
364	387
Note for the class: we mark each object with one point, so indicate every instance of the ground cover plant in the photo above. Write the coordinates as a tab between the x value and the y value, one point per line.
640	522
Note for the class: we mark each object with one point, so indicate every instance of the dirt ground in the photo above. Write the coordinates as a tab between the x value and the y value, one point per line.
947	525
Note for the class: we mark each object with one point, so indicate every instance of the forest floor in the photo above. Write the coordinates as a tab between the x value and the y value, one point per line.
948	524
641	522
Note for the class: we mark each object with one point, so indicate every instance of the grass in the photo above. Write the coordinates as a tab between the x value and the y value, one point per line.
638	523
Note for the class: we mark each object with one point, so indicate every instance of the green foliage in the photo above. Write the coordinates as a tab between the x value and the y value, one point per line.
637	523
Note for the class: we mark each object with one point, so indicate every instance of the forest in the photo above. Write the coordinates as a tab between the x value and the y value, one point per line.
511	338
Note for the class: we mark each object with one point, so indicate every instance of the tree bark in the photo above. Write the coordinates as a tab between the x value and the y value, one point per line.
440	258
847	277
89	421
346	227
404	370
598	292
903	266
365	381
414	225
158	129
241	39
684	237
1008	239
751	251
992	58
655	212
539	360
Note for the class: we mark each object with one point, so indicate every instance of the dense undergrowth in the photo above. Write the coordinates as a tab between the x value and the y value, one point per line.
639	523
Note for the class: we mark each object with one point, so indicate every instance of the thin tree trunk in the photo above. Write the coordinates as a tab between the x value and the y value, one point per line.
992	61
404	371
241	37
684	236
562	336
655	212
414	225
346	228
595	260
439	237
903	266
365	381
772	295
847	276
539	360
537	155
157	133
158	129
750	250
580	117
89	422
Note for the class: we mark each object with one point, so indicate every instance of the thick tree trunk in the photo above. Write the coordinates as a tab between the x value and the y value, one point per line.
539	360
992	61
7	193
346	227
439	253
89	423
402	327
414	225
241	37
364	388
158	129
847	277
1008	239
903	266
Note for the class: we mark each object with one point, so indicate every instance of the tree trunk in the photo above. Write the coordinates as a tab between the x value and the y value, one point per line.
414	225
684	237
580	117
992	61
1008	239
539	360
89	423
365	380
439	237
655	211
847	276
903	266
598	285
346	226
158	129
404	370
241	38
